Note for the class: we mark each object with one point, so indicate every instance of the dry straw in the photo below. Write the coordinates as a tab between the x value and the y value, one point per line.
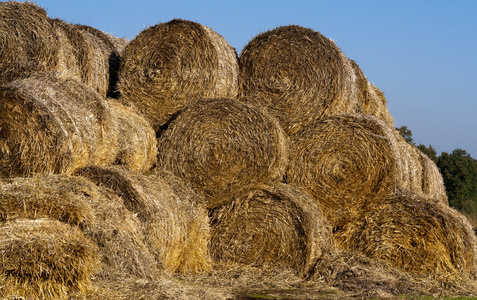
344	160
414	234
44	259
270	226
221	146
29	43
174	224
53	125
171	64
137	145
302	76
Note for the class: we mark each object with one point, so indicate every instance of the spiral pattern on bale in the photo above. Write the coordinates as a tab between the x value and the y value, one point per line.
270	225
221	146
168	65
301	76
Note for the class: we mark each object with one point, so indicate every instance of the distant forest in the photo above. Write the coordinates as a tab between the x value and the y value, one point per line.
459	171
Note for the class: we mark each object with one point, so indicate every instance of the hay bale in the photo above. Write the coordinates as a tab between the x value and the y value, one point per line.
34	198
345	160
221	146
432	181
53	125
171	64
29	43
175	224
99	213
371	98
270	225
414	234
44	259
137	144
300	76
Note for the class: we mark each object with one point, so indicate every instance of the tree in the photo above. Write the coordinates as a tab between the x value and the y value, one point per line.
406	133
459	171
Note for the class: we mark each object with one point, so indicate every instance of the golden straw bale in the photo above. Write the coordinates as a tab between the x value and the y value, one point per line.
270	225
432	181
53	125
372	99
414	234
103	57
44	259
171	64
35	198
176	226
113	228
221	146
344	160
300	76
29	43
137	140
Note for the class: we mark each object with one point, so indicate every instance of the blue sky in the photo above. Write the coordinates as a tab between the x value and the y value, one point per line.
421	54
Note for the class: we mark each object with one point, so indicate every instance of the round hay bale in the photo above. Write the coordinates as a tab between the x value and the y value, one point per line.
344	160
53	125
33	198
221	146
414	234
115	230
176	226
103	60
372	99
270	225
137	144
171	64
432	181
29	43
300	76
44	259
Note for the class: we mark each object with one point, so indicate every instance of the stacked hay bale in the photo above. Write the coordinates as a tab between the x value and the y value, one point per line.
171	64
302	76
29	42
222	146
88	55
137	145
53	125
414	234
270	225
345	160
44	259
175	222
98	214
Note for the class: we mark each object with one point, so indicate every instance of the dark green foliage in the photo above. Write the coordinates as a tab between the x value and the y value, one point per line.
459	171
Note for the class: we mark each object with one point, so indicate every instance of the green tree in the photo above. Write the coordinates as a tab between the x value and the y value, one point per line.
459	171
406	133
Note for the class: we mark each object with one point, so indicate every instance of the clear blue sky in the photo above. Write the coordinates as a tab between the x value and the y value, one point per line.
421	53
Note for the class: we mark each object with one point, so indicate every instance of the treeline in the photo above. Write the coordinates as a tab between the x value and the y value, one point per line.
459	171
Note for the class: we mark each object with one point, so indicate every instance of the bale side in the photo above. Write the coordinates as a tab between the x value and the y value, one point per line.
414	234
44	259
34	198
169	65
50	124
175	225
343	160
271	226
137	144
221	146
29	42
432	181
299	75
